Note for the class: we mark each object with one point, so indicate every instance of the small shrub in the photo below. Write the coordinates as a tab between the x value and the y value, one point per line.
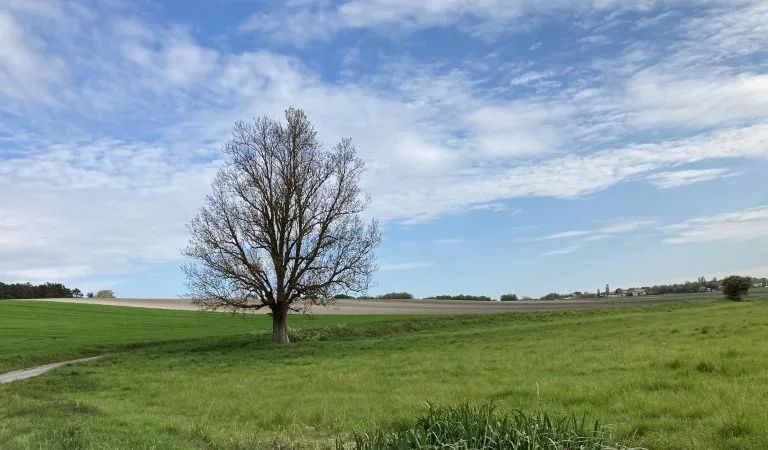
734	430
467	427
705	367
736	287
105	293
674	364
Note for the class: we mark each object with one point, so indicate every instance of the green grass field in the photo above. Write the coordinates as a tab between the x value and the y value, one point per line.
34	333
691	376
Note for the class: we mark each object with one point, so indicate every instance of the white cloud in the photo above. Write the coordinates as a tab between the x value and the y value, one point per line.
529	77
101	208
666	180
618	226
178	62
26	74
563	235
565	250
304	22
567	176
405	266
739	226
626	225
100	195
697	98
735	28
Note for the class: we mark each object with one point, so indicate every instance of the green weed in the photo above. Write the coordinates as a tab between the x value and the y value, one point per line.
468	427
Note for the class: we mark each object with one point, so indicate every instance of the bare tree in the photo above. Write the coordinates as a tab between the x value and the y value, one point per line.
281	228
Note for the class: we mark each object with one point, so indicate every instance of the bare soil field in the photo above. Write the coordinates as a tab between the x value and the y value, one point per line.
406	307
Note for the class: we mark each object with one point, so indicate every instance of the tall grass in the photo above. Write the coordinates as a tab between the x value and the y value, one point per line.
468	427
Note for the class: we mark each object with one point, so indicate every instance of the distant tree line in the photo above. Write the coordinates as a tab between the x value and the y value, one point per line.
396	296
577	294
28	290
47	290
700	285
387	296
478	298
409	296
689	287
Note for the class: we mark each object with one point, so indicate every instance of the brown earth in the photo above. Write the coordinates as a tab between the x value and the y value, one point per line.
406	307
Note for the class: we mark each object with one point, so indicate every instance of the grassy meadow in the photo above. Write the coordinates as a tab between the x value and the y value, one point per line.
692	375
33	333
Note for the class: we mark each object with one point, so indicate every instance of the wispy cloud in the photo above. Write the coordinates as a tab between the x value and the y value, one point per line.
738	226
614	227
302	22
562	235
449	241
564	251
405	266
667	180
625	225
529	77
102	110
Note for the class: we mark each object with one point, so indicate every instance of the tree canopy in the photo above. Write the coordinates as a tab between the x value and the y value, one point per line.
28	290
736	287
282	227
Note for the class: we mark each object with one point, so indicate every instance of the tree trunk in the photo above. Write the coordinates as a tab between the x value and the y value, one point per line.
280	325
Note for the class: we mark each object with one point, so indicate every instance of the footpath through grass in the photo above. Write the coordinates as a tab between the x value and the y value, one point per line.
687	376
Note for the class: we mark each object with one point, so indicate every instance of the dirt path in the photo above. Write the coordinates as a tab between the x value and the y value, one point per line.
39	370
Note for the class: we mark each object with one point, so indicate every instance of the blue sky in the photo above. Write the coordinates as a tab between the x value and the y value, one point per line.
513	145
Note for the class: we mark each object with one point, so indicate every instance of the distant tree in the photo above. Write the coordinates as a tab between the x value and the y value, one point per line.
508	298
619	291
607	289
396	296
77	293
90	295
105	293
343	297
736	287
282	227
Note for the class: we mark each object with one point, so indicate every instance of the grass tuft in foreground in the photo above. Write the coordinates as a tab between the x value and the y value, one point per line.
469	427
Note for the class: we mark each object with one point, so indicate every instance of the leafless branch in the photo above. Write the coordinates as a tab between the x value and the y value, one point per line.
281	227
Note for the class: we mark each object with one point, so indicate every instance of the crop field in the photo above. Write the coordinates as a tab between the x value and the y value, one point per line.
687	375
